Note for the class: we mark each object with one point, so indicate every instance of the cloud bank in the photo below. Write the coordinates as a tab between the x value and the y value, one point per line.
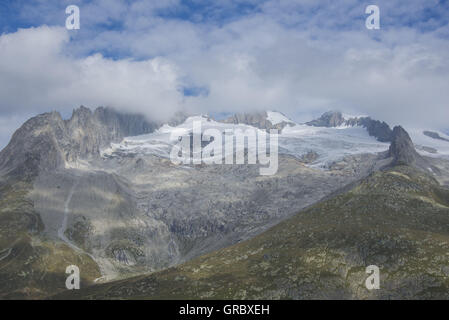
36	75
298	57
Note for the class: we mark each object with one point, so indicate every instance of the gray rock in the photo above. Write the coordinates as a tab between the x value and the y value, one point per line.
328	119
434	135
380	130
402	150
46	142
34	146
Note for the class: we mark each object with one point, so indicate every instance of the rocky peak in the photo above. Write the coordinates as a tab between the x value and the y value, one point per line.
81	116
49	141
402	149
34	141
328	119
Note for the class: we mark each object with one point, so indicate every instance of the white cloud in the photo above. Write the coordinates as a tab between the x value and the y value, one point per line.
36	76
294	56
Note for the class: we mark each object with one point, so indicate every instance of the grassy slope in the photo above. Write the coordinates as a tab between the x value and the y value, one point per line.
32	266
397	220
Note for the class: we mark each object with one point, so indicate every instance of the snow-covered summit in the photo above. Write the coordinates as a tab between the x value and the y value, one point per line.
276	117
328	143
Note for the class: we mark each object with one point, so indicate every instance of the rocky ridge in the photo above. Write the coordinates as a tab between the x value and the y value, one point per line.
47	142
136	213
378	129
434	135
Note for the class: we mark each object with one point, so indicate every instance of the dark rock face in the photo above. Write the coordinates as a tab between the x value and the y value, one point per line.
328	119
378	129
123	125
46	141
434	135
403	152
30	144
401	149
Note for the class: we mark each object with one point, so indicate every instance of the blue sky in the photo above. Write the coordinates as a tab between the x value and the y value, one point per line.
301	57
19	13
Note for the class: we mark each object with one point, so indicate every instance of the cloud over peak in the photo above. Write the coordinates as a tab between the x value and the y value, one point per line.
38	74
298	57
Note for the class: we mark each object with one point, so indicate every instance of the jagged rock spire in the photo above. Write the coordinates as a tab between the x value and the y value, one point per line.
402	149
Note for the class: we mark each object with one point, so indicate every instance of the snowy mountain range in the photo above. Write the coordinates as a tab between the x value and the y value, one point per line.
99	189
329	139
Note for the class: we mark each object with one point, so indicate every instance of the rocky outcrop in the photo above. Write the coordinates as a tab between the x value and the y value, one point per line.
434	135
378	129
47	141
88	132
34	146
403	152
402	149
328	119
